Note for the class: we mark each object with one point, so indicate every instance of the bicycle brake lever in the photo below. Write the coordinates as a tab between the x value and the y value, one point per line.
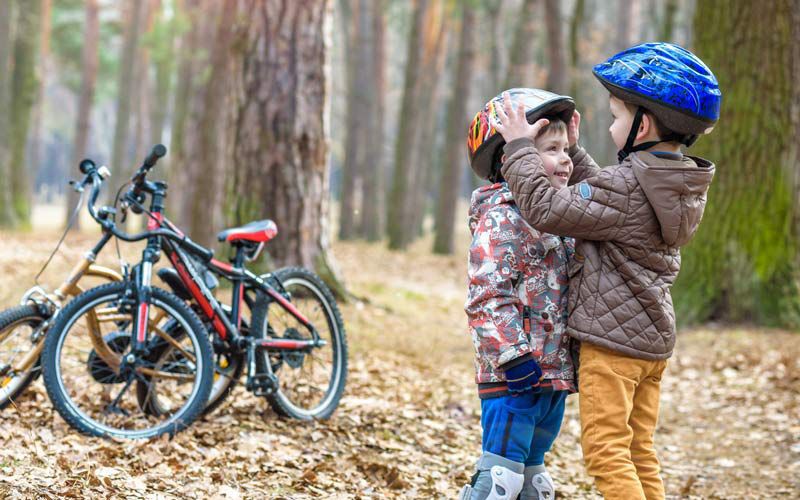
76	185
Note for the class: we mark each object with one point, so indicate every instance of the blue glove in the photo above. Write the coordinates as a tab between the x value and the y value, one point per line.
523	377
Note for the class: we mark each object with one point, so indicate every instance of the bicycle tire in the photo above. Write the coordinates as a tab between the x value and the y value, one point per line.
279	400
11	318
182	418
220	388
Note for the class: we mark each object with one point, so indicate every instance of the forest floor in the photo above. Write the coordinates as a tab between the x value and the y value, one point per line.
408	425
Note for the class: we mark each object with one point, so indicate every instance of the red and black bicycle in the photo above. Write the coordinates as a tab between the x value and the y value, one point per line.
128	359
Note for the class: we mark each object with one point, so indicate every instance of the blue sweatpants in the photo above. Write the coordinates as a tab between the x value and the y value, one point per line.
522	428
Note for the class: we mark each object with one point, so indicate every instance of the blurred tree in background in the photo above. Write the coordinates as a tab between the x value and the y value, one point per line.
743	264
355	124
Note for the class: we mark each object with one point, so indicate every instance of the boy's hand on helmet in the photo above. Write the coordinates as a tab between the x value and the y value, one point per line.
573	128
512	124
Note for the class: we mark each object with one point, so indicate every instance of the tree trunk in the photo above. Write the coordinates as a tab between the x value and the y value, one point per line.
575	29
280	144
119	154
793	161
7	215
23	93
454	167
357	110
193	79
623	22
668	26
34	153
188	48
205	155
497	52
425	163
556	73
739	266
398	221
142	92
163	55
522	71
89	65
372	222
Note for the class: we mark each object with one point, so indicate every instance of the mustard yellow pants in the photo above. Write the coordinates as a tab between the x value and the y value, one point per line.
619	410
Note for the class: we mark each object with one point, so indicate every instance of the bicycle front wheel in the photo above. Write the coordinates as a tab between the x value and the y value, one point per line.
310	383
91	374
21	337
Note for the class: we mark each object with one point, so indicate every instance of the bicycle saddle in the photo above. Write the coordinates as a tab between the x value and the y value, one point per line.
259	231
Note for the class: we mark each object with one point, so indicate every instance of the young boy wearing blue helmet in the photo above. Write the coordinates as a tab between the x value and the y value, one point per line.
630	219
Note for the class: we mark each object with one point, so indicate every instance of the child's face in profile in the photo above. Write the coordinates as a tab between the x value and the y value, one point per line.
553	147
622	121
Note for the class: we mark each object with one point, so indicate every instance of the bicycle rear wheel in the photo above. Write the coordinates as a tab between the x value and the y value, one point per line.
89	369
310	383
228	367
20	334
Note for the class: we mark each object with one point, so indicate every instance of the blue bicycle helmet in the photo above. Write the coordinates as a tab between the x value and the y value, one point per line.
668	81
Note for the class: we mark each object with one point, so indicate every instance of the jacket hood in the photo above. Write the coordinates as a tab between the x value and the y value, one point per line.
676	189
486	197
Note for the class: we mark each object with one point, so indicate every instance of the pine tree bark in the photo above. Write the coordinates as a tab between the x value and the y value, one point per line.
373	209
455	162
497	52
7	215
89	65
34	152
280	144
356	113
163	58
668	25
425	162
23	93
739	265
193	78
556	72
119	153
142	92
205	154
521	65
575	29
398	220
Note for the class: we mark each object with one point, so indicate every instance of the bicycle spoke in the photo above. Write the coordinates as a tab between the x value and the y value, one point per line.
164	335
119	397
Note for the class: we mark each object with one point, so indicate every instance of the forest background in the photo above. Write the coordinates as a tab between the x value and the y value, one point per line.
345	122
387	118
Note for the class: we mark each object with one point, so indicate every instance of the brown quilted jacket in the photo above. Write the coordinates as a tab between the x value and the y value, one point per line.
631	220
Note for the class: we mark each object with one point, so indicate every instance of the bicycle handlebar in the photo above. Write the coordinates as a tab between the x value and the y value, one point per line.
97	175
159	150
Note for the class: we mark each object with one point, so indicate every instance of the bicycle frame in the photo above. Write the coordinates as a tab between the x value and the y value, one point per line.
239	276
163	236
69	288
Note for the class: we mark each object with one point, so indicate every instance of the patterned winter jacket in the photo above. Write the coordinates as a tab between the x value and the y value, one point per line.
632	219
517	296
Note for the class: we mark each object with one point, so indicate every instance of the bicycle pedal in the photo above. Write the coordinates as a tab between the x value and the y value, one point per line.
263	384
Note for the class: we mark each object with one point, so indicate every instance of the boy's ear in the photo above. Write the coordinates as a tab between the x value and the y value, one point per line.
645	127
503	158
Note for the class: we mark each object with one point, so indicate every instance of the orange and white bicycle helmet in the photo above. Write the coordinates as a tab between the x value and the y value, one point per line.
484	144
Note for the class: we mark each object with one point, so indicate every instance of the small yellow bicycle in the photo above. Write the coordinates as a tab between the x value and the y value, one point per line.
23	328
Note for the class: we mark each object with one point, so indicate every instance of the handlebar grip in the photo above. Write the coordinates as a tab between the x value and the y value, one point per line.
86	166
159	150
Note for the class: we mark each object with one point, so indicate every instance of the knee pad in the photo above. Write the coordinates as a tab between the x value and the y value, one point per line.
497	483
538	485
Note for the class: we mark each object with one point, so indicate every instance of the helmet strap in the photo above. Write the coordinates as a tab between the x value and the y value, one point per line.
629	148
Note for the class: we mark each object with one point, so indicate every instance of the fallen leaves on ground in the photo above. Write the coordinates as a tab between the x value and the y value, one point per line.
409	423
